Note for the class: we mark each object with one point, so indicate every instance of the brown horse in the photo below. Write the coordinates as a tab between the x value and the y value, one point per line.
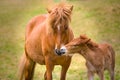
45	35
99	57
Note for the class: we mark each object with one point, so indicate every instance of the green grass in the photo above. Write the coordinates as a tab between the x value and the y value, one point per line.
99	19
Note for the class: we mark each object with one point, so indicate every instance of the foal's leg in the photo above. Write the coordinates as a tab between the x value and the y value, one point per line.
101	74
49	67
112	75
29	69
111	71
90	75
64	69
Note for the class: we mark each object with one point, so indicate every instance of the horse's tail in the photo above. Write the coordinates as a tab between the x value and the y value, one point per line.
112	55
26	68
22	67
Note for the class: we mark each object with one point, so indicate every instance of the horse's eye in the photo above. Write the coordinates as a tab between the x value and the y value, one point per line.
66	27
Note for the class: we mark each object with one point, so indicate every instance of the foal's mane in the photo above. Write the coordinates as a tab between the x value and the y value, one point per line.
91	44
61	13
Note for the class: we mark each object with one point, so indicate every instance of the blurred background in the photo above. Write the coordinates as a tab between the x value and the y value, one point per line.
99	19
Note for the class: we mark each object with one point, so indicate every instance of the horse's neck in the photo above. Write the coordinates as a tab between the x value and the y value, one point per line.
87	53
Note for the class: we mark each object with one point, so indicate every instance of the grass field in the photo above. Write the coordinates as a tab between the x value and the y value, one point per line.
99	19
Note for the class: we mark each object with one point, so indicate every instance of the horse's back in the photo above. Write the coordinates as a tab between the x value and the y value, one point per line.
109	54
34	22
112	55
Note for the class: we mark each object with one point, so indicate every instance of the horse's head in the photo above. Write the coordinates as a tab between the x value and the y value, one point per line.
58	20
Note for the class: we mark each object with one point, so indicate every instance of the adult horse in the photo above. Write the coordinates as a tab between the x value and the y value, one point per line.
45	35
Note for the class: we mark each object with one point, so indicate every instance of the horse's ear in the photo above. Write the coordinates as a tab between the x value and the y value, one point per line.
87	40
71	7
92	44
83	36
49	10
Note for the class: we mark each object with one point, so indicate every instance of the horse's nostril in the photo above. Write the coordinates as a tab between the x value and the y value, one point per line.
57	51
60	51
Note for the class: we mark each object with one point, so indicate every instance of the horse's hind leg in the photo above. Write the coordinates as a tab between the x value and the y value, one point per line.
112	75
111	71
29	69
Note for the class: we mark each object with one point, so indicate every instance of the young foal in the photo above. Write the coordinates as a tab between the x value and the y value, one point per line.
45	35
98	56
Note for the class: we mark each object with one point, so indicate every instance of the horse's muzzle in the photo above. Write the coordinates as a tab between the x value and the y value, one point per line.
59	51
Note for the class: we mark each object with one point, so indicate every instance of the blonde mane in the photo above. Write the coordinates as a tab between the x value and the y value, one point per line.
61	13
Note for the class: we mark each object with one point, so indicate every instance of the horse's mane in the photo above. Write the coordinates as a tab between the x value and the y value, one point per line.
92	44
61	13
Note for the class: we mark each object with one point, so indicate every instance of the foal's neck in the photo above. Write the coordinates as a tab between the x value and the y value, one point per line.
87	53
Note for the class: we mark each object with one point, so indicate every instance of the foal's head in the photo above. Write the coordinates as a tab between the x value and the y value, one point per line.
76	45
58	20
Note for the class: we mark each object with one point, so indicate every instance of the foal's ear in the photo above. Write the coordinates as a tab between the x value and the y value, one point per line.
92	44
71	7
83	36
87	40
49	10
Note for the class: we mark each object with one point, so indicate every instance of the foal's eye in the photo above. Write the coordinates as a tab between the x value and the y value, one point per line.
73	46
76	45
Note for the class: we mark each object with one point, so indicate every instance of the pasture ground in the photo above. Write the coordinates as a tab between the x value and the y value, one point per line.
99	19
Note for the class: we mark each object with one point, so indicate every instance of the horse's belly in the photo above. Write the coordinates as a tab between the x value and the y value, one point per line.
39	59
61	60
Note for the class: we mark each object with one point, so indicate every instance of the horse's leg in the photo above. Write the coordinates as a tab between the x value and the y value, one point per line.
111	72
64	69
45	76
112	75
101	74
29	69
90	75
49	66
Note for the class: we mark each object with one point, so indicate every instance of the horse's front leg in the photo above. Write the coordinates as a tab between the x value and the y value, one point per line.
90	72
45	76
64	69
49	66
